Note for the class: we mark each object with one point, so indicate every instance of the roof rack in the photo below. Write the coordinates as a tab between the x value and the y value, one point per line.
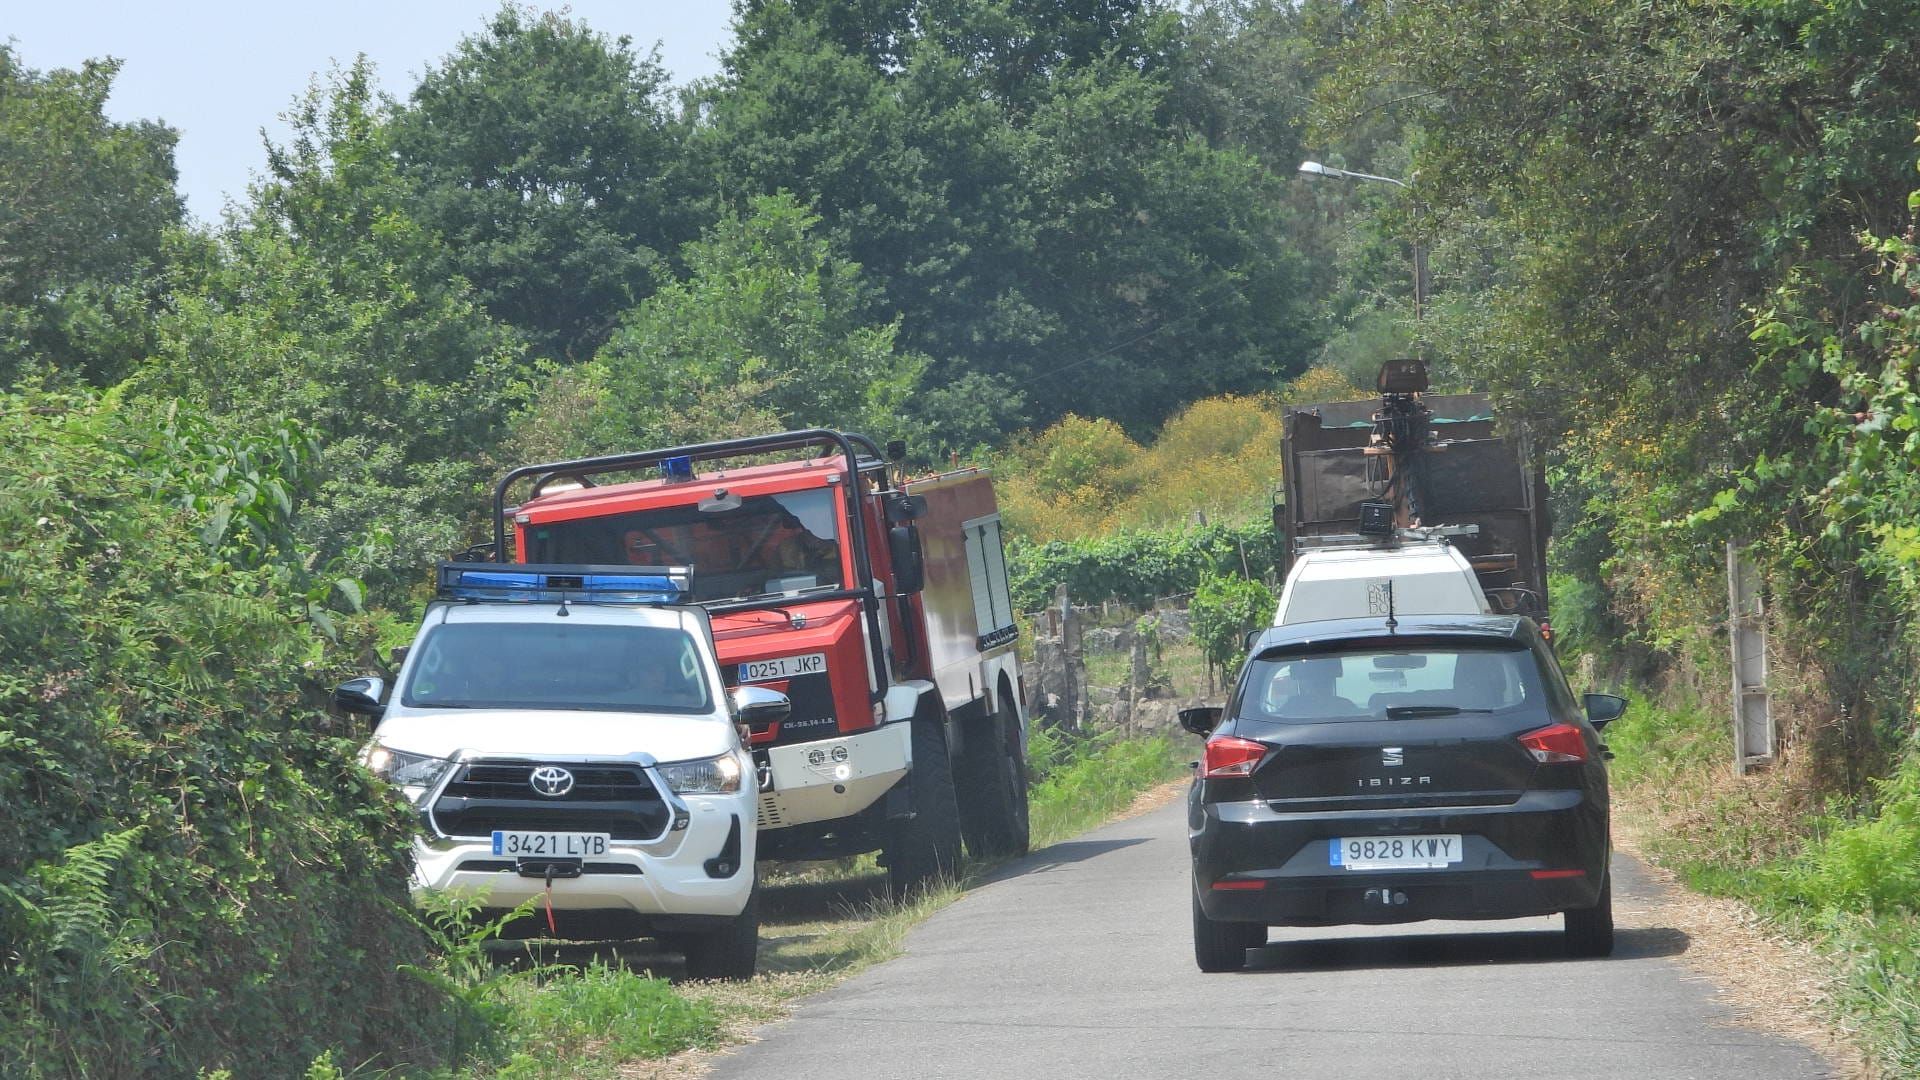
1421	535
574	583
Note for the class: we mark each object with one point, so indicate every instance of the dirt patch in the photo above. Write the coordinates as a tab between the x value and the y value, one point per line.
1771	983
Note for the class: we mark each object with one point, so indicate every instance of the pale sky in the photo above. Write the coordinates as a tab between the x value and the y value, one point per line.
220	70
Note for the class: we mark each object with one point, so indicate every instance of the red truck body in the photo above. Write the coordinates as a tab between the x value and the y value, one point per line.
876	605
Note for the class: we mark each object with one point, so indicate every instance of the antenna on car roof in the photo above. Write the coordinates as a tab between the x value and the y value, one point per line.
1393	624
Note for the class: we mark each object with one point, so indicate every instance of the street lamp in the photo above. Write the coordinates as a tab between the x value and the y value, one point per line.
1314	168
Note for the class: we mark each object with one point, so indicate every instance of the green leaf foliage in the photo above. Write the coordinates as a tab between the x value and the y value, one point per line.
546	156
84	204
1224	608
194	872
1029	192
327	304
766	331
1139	567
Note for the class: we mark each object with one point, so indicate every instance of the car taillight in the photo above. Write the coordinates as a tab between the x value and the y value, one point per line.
1561	742
1228	756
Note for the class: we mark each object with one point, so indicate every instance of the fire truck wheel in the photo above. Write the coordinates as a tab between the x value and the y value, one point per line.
924	848
729	952
993	785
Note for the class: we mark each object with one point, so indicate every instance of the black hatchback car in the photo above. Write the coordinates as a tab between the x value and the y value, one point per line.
1437	768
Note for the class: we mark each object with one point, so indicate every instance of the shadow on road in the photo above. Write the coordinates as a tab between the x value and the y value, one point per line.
812	901
1064	853
1444	950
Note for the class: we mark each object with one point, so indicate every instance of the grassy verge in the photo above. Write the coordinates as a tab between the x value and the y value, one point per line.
1848	884
606	1010
1086	782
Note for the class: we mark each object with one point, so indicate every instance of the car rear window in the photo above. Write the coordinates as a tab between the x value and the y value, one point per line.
1373	684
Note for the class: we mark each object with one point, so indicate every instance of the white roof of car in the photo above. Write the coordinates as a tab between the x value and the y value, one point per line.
1346	583
526	611
1369	562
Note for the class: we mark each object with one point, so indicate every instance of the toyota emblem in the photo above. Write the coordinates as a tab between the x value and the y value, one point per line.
551	781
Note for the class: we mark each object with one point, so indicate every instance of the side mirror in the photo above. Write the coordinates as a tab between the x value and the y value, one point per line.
759	707
1250	638
1604	709
1201	719
360	697
909	569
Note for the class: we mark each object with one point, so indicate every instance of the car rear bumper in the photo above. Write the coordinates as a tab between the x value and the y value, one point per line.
1545	853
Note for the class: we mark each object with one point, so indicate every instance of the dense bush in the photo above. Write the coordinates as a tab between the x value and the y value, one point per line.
1224	608
1139	567
193	872
1080	478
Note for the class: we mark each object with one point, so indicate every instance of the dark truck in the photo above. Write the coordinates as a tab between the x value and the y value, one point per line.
1414	466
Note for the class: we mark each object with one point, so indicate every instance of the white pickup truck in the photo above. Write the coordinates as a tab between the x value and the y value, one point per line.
565	735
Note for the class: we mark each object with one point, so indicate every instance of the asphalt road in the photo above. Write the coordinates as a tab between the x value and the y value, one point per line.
1077	962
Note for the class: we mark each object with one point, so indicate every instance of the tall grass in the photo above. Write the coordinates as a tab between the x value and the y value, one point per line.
1848	883
1084	781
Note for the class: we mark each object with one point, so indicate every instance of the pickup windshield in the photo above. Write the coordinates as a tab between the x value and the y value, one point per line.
1397	684
558	665
762	545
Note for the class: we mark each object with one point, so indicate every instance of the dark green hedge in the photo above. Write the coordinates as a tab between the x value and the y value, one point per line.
1139	567
193	873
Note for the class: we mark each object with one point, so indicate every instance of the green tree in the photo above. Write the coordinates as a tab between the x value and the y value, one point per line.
768	325
545	154
326	303
1026	192
84	205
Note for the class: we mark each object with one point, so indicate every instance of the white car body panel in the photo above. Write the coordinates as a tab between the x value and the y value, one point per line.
1346	583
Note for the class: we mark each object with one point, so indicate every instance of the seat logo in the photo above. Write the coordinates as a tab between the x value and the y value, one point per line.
1392	756
551	781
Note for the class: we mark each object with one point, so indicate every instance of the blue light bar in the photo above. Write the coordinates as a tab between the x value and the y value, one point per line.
577	584
677	470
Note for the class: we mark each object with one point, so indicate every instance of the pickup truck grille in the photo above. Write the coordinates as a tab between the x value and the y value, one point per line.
616	799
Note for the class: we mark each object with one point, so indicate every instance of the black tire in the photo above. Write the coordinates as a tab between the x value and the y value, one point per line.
993	789
925	848
1222	946
1590	930
730	952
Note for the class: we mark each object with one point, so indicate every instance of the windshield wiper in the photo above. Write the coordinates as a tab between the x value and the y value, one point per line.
1402	712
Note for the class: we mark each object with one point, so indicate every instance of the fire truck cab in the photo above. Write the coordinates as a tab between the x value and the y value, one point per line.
879	606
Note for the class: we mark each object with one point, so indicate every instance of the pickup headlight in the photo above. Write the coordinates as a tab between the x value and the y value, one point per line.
709	776
416	775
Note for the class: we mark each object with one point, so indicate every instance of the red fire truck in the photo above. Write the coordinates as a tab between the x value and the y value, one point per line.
879	605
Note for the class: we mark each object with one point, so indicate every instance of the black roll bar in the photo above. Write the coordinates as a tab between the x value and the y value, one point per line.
759	444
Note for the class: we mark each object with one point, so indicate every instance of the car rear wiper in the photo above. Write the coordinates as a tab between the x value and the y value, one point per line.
1402	712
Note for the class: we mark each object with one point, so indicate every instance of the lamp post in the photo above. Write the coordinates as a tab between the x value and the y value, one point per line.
1314	168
